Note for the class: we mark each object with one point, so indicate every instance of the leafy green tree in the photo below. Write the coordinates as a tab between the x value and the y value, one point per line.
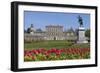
87	34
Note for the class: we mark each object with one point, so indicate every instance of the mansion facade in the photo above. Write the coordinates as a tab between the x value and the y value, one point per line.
52	32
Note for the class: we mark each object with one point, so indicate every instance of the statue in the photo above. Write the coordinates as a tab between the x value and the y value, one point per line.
80	20
81	32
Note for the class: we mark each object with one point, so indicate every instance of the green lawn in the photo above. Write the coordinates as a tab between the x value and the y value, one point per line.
48	44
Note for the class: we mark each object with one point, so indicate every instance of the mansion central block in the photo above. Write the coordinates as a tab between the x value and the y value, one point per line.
52	32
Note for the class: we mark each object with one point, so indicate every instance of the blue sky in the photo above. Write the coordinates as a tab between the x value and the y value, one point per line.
42	19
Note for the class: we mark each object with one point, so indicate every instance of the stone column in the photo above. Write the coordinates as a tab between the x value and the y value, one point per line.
81	35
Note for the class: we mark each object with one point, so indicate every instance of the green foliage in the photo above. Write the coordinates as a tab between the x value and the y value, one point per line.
26	58
28	30
86	56
87	34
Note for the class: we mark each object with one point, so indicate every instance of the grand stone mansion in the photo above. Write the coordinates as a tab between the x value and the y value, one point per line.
52	32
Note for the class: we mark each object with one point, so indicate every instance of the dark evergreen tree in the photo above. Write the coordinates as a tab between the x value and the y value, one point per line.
28	30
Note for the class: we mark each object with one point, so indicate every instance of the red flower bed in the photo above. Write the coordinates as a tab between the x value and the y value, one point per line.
42	54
